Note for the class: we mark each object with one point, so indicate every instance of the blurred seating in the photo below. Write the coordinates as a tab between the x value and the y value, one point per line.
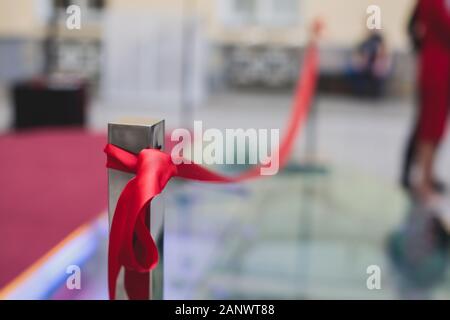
47	102
333	76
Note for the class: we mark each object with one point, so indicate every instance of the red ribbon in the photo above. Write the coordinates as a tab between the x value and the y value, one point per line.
130	243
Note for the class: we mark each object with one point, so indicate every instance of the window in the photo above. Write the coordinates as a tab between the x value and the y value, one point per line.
260	12
245	10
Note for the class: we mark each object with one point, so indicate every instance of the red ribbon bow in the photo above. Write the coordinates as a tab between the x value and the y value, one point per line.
130	242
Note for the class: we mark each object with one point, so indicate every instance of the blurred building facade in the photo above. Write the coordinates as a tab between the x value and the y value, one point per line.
244	41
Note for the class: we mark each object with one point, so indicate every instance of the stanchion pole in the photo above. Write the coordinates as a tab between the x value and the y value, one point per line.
133	137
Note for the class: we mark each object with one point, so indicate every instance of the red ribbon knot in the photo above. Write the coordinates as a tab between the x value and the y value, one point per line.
131	245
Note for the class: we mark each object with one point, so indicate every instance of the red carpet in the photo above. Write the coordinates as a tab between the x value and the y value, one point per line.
52	181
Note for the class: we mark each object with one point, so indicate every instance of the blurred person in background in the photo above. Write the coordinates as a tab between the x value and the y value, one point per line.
415	34
370	65
433	33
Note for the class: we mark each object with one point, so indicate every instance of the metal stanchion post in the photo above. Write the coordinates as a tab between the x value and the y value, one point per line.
134	137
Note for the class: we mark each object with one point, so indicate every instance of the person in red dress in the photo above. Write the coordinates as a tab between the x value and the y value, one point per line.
434	91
